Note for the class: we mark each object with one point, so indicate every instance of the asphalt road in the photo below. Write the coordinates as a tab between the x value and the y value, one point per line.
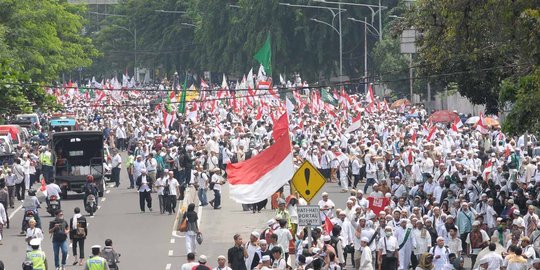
148	240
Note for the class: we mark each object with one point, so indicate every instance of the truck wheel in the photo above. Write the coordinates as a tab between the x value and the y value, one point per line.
101	191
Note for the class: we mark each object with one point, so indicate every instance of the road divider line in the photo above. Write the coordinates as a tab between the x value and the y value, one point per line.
168	266
103	199
170	253
108	191
172	240
199	214
15	211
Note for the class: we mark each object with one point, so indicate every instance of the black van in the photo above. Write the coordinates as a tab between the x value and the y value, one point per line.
77	154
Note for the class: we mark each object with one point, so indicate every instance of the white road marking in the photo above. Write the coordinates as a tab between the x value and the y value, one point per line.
111	185
92	216
99	207
168	267
15	211
170	253
108	191
172	240
199	214
103	199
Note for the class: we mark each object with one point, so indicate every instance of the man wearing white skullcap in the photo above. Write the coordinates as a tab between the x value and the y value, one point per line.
404	237
476	241
366	260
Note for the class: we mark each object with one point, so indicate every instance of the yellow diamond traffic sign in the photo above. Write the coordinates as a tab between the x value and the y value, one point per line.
307	180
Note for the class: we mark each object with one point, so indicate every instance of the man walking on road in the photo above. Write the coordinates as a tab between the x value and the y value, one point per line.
237	255
144	186
59	230
116	167
18	171
174	189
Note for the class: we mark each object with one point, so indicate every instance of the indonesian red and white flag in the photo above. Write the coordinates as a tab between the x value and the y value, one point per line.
458	122
204	85
281	126
454	129
369	97
431	134
481	124
413	136
356	124
257	178
487	169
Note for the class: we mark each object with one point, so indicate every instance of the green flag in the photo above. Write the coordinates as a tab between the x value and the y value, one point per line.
168	105
328	98
264	56
182	105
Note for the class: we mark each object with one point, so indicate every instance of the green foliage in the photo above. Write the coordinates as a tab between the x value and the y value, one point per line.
392	66
18	94
44	37
228	33
476	44
524	96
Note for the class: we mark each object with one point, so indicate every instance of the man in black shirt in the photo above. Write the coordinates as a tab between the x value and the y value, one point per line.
237	255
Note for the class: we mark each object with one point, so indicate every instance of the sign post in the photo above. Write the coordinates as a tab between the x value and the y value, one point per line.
308	181
309	215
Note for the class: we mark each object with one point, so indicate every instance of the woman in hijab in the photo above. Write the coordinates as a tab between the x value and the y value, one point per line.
192	228
426	262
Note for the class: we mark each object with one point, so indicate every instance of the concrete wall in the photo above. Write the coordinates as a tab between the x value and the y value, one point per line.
454	101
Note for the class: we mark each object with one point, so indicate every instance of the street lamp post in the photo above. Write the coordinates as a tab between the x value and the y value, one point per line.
379	8
335	12
366	24
133	34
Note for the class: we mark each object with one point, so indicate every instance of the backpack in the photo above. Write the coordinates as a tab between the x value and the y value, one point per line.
59	234
108	254
80	232
166	190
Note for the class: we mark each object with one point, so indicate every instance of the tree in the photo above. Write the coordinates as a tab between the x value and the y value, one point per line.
226	35
391	66
475	44
520	95
18	94
44	36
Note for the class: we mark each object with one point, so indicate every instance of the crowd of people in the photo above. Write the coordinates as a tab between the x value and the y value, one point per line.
423	194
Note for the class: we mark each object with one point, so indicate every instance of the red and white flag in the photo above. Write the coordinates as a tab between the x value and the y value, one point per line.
431	134
481	124
257	178
356	124
370	98
458	122
281	126
487	169
378	204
